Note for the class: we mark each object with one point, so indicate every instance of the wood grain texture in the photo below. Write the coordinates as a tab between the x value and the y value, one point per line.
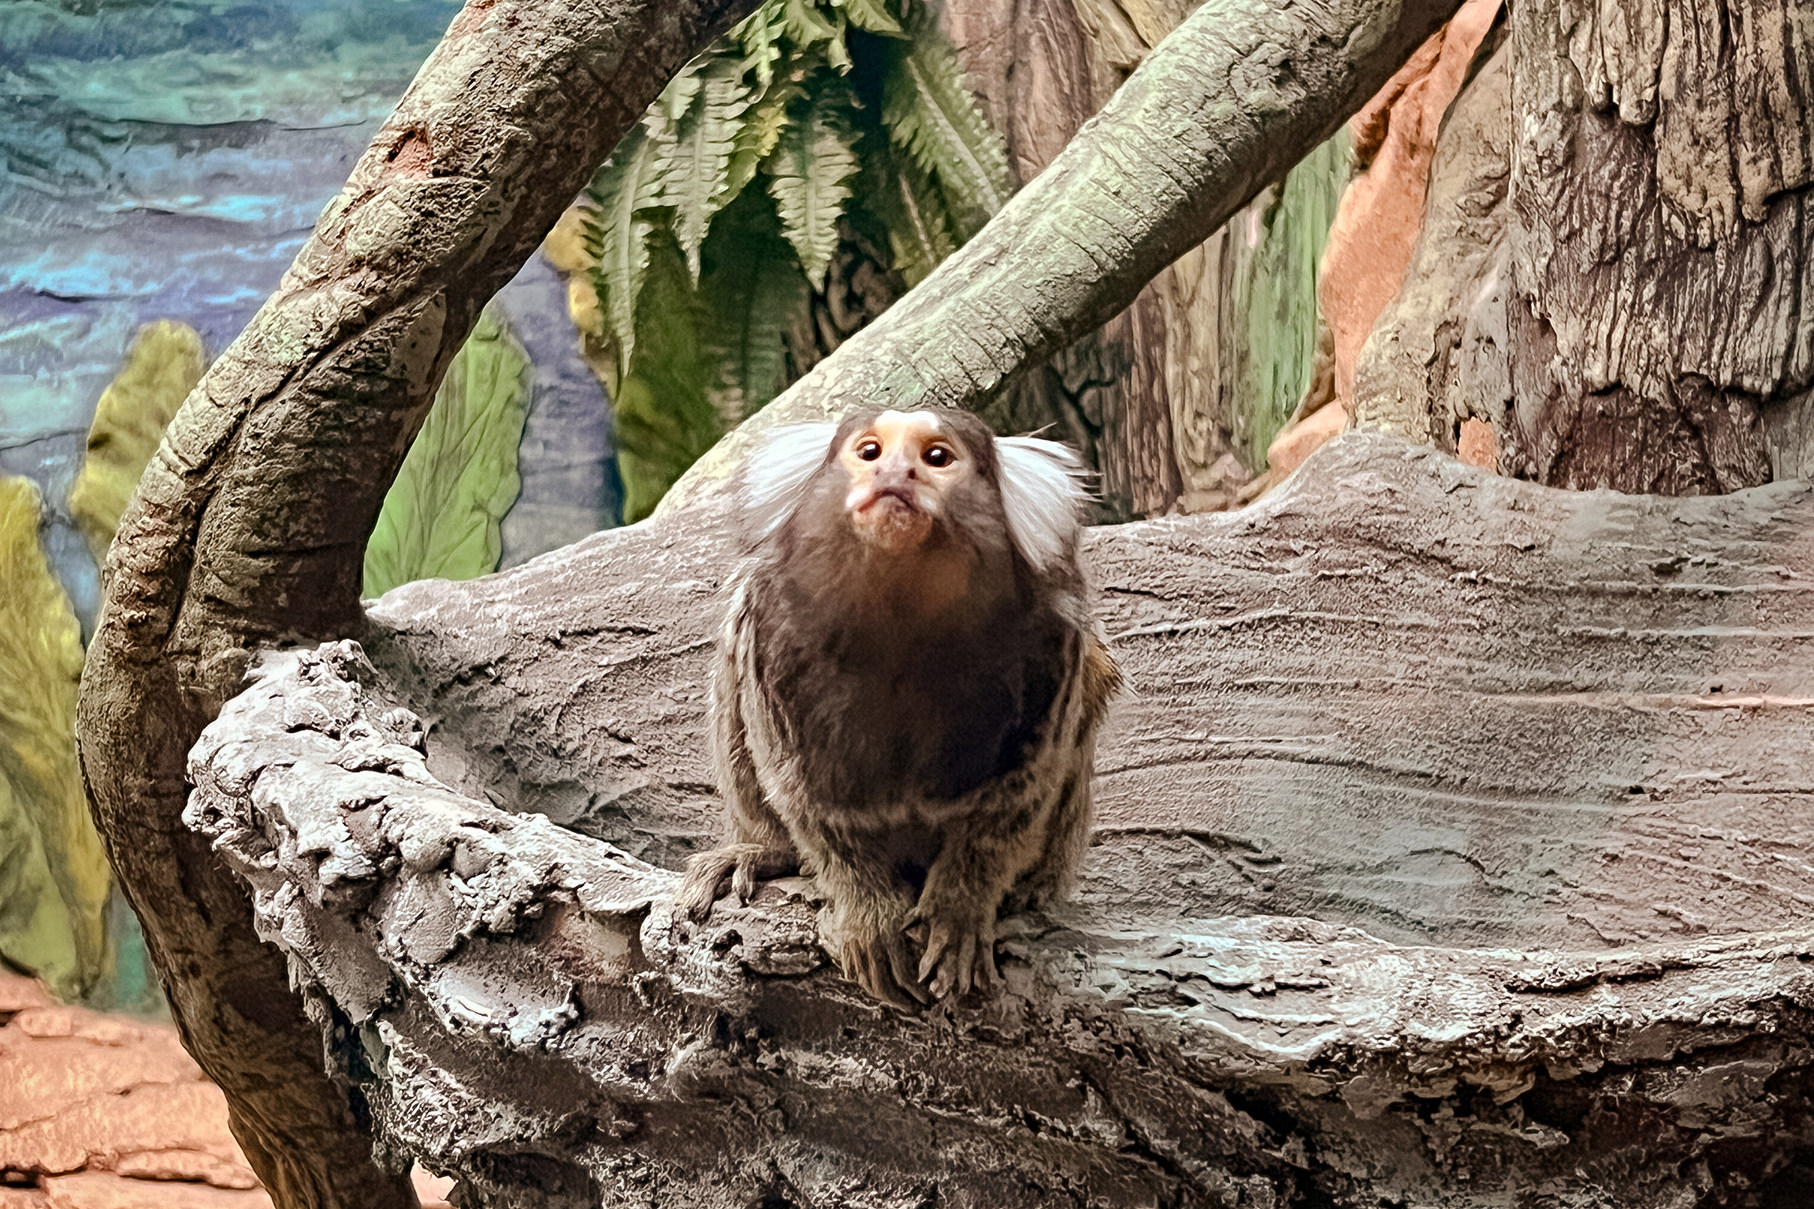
1449	853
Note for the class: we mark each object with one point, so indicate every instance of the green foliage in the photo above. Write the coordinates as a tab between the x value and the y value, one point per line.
164	364
810	120
809	175
441	517
53	875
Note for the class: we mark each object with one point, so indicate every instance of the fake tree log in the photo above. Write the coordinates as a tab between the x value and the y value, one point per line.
250	523
1451	851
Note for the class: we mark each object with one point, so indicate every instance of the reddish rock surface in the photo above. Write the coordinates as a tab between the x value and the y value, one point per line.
1381	212
109	1112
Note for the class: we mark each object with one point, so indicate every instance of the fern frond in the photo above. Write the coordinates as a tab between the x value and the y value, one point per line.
933	117
871	15
618	230
912	210
752	290
761	126
808	27
759	36
809	176
697	181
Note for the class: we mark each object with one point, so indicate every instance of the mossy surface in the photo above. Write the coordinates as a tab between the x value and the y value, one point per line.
53	874
441	518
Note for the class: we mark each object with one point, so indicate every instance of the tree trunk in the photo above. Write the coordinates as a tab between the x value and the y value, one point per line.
1615	267
250	524
1340	942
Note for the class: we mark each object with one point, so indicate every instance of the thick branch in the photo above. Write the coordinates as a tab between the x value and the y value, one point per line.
251	522
1448	855
1226	104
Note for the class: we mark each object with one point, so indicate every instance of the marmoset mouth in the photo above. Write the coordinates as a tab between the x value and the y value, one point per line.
903	495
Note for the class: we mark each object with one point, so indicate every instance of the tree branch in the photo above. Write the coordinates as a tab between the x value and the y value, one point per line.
250	523
1225	105
1342	939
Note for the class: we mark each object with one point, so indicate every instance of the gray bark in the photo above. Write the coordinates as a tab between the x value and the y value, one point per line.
250	523
1341	939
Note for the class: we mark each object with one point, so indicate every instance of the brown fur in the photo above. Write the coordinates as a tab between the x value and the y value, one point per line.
912	722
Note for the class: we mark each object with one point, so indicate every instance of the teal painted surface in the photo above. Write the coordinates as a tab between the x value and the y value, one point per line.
166	159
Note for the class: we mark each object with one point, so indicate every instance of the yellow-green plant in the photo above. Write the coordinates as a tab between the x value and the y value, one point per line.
442	516
53	874
164	364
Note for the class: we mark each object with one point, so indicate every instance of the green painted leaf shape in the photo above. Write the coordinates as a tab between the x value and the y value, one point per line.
618	230
165	362
697	182
809	176
441	517
53	873
753	290
931	114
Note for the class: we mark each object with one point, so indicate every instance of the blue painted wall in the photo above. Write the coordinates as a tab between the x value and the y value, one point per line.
165	159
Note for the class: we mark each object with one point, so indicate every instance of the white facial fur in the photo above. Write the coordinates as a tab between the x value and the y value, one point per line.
780	469
1043	494
1042	487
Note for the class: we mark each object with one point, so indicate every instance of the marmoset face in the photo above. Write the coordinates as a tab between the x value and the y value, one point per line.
904	469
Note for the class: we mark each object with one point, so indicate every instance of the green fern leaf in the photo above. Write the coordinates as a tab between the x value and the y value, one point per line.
697	182
662	412
933	117
809	177
617	235
759	37
760	129
872	15
913	212
441	517
753	290
808	27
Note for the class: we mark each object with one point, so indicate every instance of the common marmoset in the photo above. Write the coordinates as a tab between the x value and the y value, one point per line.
907	690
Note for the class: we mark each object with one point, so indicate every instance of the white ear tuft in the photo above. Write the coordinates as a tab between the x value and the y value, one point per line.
778	471
1042	491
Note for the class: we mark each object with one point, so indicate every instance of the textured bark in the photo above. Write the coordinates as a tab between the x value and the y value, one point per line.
1042	68
250	523
1617	272
1439	354
1662	185
1235	96
1340	940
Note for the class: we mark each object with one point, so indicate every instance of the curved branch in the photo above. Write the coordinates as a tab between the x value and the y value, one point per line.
250	523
